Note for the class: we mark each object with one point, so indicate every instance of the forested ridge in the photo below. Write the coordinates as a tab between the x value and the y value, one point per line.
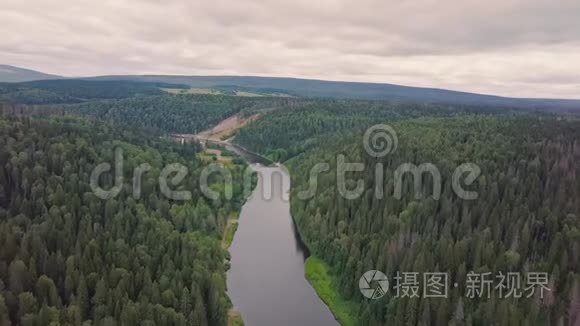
186	114
75	91
288	132
70	258
525	219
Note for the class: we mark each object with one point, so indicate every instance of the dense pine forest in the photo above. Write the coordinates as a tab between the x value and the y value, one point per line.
76	91
288	132
68	257
290	163
525	218
188	114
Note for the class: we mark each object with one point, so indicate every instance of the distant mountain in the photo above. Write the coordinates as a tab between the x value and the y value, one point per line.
315	88
11	74
353	90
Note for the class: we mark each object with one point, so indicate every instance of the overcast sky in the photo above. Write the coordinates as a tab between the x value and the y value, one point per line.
527	48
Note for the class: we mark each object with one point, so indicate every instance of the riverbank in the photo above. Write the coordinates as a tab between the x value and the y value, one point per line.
235	318
317	272
230	231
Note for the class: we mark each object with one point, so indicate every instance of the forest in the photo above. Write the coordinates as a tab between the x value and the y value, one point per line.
187	114
286	133
68	257
61	91
525	218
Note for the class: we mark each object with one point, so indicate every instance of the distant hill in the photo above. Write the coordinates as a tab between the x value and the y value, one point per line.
78	90
11	74
276	86
352	90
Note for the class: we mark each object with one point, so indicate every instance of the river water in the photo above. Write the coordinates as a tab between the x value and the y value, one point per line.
266	280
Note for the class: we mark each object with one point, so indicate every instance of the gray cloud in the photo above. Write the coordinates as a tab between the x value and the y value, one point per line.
510	47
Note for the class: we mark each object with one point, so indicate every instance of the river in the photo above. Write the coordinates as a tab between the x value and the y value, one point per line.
266	280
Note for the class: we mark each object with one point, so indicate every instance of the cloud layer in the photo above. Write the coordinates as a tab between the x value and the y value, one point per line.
528	48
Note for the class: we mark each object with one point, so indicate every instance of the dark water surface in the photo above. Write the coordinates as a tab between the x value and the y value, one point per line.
266	281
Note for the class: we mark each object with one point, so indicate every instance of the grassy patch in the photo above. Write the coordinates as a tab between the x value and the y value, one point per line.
192	90
318	274
248	94
235	318
230	232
